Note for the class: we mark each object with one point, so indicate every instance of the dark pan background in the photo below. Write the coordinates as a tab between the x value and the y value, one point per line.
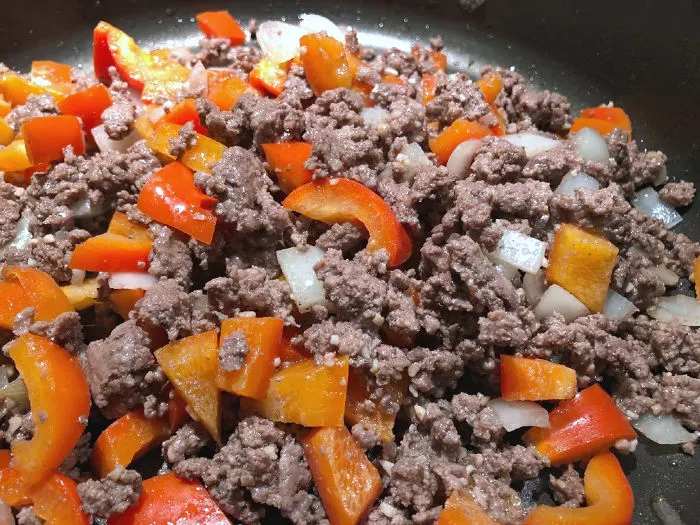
644	55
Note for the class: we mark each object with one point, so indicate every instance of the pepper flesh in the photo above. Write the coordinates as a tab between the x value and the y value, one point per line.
46	137
604	119
459	131
527	379
87	104
184	112
287	161
198	157
111	253
325	63
269	77
56	501
224	88
220	24
461	509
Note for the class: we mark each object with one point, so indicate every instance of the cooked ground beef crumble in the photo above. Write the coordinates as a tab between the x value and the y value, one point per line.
440	321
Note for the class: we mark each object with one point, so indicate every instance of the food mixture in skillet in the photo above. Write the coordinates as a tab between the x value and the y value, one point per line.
328	284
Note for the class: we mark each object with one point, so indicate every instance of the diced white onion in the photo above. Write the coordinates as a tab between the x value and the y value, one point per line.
197	81
279	41
665	430
591	146
648	201
134	97
681	308
317	23
534	287
413	158
533	143
22	237
556	299
77	277
522	251
84	209
618	306
575	180
507	269
386	465
518	414
155	113
662	177
16	390
104	143
375	116
298	270
668	276
6	516
461	158
666	513
131	281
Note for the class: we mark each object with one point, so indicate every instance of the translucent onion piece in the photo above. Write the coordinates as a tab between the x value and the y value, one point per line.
668	276
575	180
591	146
507	269
279	41
524	252
413	159
104	143
665	512
374	117
518	414
131	281
298	270
662	177
22	237
6	516
648	201
618	306
461	159
317	23
556	299
533	143
16	391
665	430
534	287
84	209
197	82
681	308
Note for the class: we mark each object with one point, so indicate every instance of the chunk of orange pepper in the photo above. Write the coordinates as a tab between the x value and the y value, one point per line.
123	301
87	104
168	498
287	160
305	393
461	509
59	397
198	157
7	134
582	263
56	501
347	481
269	77
325	63
111	253
581	427
608	495
191	365
262	335
13	489
13	157
334	200
47	72
184	112
220	24
528	379
45	137
121	225
604	119
224	88
459	131
16	89
428	88
290	353
490	86
171	197
5	106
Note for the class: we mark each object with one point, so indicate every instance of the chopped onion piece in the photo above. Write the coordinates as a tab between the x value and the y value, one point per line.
197	82
533	143
16	391
317	23
681	308
668	276
77	277
518	414
279	41
665	512
524	252
6	516
662	177
375	116
507	269
22	237
131	281
298	270
665	430
591	146
155	113
575	180
106	144
461	158
534	286
648	201
412	158
556	299
84	209
618	306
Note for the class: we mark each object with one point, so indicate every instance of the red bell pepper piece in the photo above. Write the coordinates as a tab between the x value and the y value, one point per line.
45	137
461	509
121	225
56	501
287	160
325	63
171	197
269	77
59	397
224	88
111	253
87	104
461	130
290	353
581	427
113	47
184	112
346	480
526	379
170	499
610	114
220	24
608	494
334	200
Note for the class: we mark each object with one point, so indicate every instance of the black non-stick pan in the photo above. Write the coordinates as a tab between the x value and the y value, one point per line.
642	54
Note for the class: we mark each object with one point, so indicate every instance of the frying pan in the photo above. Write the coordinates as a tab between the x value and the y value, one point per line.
642	54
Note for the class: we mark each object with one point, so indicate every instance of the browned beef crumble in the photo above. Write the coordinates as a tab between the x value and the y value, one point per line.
118	491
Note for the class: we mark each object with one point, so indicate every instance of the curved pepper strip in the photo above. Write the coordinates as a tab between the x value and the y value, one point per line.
56	501
220	24
343	200
59	397
608	494
528	379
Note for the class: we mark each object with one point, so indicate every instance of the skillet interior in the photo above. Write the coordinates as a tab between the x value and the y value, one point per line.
643	56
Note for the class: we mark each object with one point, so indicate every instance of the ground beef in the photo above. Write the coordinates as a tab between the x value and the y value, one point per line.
498	161
218	52
27	516
186	138
66	331
633	168
115	493
233	351
35	106
567	488
10	212
343	236
118	119
185	443
406	116
456	98
165	306
678	194
269	120
170	256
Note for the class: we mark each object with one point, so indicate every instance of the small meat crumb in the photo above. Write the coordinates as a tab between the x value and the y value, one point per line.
114	494
678	194
233	351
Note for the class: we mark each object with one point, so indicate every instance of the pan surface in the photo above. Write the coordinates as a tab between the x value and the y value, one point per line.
641	54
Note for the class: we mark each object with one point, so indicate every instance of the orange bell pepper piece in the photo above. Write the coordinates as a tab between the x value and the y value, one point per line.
582	263
263	335
305	393
459	131
47	72
601	126
170	499
439	58
191	365
123	301
390	78
490	86
6	133
16	89
45	137
269	77
56	501
198	157
608	494
171	197
461	509
325	63
59	397
22	287
290	353
121	225
527	379
615	117
5	106
127	439
347	482
220	24
13	489
113	47
287	160
184	112
83	295
14	157
225	88
428	88
334	200
581	427
87	104
111	253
